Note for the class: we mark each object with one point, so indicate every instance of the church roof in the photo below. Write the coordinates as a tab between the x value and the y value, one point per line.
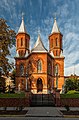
22	28
39	47
55	28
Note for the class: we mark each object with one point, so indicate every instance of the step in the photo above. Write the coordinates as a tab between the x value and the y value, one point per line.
42	100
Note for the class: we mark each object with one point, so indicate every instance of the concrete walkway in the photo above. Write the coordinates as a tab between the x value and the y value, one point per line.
43	112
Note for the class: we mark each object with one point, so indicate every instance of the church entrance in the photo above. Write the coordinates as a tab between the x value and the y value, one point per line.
39	85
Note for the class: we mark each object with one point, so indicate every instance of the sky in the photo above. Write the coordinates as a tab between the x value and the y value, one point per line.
39	14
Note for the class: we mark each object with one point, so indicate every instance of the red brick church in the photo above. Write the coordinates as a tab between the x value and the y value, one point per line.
39	70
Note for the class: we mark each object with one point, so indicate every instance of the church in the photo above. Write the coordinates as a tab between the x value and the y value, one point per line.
39	70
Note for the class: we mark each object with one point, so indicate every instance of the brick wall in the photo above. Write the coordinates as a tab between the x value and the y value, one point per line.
72	102
14	102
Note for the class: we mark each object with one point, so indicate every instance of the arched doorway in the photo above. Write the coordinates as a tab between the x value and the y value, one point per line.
39	85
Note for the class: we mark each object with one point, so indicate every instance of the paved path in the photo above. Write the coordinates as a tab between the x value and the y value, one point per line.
36	118
43	111
71	108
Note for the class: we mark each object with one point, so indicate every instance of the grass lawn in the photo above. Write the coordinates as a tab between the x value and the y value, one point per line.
12	95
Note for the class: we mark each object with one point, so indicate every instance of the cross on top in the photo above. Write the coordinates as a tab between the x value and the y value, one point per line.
22	15
54	15
39	31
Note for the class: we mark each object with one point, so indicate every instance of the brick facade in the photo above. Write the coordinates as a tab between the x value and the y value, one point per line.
27	61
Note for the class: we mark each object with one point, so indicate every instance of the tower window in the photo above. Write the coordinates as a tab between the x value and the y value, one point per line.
21	41
56	42
21	53
39	66
21	69
56	52
27	43
56	69
52	42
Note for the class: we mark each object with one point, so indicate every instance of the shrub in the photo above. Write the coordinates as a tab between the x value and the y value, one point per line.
72	92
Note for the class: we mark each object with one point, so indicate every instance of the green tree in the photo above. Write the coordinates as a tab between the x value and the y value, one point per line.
7	40
71	84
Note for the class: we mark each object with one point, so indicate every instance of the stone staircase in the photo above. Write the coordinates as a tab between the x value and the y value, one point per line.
42	100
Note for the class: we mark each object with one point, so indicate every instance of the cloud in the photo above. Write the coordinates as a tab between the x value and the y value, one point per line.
74	69
40	14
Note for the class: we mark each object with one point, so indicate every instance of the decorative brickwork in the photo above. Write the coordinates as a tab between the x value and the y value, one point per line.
29	72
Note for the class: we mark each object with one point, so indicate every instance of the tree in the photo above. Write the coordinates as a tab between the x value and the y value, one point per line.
13	75
2	84
71	84
7	40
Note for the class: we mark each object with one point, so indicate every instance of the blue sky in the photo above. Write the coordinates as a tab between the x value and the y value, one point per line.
39	14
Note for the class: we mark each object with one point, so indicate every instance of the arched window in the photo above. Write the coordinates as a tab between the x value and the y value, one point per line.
39	66
52	42
56	69
56	52
56	41
21	69
21	41
39	85
21	53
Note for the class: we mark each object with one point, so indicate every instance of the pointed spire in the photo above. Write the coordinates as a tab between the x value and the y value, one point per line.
39	47
22	28
38	41
55	28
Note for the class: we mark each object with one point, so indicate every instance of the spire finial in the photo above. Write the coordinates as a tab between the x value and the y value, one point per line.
55	28
39	32
54	15
22	28
22	15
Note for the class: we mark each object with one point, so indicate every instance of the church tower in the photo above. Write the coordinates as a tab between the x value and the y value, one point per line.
22	40
55	47
55	40
22	51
